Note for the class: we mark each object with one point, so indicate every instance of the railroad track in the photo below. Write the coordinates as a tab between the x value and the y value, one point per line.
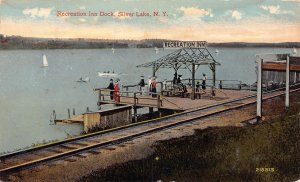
17	161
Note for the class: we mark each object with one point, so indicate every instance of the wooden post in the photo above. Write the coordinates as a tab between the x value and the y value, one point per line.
221	84
73	111
99	99
134	107
214	75
161	86
193	82
240	85
54	114
134	97
287	84
259	91
127	91
69	113
158	100
153	70
150	109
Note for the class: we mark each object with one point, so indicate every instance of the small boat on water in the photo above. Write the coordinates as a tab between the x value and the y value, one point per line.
113	50
86	79
45	61
104	74
217	51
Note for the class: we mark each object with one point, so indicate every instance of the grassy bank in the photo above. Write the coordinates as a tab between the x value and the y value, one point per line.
265	152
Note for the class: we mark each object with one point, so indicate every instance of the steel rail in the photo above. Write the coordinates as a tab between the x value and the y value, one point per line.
130	136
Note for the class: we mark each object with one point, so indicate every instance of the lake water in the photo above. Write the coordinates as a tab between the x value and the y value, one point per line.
29	93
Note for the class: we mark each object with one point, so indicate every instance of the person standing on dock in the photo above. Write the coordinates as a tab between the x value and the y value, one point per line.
175	79
117	92
179	79
142	85
198	90
204	82
165	84
111	87
153	86
149	84
198	86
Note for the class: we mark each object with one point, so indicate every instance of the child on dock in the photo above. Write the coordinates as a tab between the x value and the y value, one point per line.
204	82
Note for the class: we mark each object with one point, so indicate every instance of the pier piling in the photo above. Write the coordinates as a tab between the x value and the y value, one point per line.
287	84
259	90
69	113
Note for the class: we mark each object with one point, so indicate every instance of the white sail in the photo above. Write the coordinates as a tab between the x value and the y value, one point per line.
86	79
294	51
113	50
156	50
45	61
217	51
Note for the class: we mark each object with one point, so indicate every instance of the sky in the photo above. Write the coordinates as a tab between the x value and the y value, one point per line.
193	20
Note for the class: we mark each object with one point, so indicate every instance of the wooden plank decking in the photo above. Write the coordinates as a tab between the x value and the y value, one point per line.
179	103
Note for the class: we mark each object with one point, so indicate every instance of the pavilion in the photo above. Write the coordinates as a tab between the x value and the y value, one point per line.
190	55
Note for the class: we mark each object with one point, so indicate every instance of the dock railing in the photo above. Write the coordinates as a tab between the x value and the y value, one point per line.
129	97
222	84
137	88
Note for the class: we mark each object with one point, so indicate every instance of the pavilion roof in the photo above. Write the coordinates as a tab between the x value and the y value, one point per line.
183	58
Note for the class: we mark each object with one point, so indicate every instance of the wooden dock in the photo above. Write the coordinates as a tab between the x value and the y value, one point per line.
173	102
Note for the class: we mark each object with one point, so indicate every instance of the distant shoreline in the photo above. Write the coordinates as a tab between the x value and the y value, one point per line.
17	42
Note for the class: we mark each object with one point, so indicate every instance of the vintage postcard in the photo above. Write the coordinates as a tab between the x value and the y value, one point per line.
149	90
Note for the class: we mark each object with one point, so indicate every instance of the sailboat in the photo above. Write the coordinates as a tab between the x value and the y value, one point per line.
45	61
294	51
156	50
217	51
86	79
113	50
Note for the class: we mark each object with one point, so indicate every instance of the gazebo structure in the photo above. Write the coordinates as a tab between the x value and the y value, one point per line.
190	55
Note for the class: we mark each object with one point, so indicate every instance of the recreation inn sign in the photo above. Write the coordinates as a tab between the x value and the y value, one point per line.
185	44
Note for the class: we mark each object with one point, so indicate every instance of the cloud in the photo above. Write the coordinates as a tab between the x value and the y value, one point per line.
38	12
196	12
275	10
298	1
261	30
163	19
271	9
82	19
236	15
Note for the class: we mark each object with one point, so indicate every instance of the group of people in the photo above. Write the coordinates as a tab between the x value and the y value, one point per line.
149	87
177	80
115	90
